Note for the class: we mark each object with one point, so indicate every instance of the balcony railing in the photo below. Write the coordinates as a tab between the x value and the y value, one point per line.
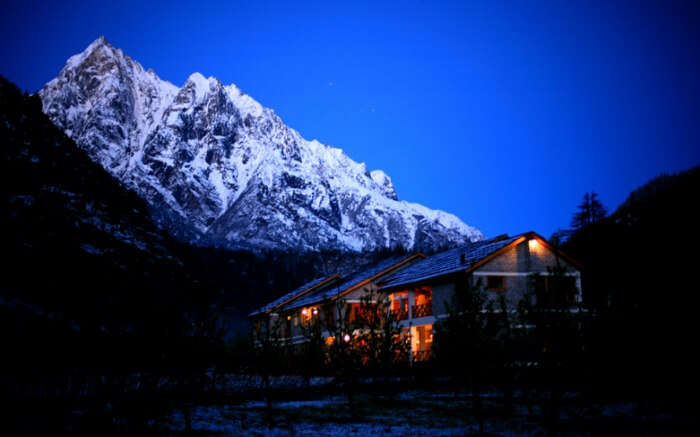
422	355
422	310
400	314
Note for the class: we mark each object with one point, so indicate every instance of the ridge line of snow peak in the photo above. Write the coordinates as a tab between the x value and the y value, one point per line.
220	168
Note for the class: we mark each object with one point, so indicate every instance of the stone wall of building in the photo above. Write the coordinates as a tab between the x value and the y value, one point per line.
526	257
442	296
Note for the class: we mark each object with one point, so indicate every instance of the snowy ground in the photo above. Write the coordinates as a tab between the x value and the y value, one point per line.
402	415
411	413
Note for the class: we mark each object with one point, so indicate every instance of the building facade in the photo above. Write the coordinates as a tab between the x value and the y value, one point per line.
419	288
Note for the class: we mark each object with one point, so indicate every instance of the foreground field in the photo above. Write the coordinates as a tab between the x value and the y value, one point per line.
411	413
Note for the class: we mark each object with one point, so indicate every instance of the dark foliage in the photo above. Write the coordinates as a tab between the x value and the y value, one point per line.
590	211
638	276
97	302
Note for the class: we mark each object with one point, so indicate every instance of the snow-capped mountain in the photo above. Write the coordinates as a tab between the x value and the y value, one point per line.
220	168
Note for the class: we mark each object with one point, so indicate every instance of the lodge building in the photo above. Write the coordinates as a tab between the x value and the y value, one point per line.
420	287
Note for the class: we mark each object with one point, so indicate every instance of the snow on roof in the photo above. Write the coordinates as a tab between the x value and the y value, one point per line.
442	263
347	283
447	262
309	285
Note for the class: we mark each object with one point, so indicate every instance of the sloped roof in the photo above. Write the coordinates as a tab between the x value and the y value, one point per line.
305	288
350	282
447	262
438	265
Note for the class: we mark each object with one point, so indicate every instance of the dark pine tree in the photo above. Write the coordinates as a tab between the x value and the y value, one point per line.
590	211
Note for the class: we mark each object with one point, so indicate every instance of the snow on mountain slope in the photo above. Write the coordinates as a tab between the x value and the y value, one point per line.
220	168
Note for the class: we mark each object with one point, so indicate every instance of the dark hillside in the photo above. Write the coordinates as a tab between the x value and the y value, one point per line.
92	288
640	270
75	241
83	251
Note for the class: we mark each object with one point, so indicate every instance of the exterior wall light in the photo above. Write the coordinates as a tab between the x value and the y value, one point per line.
314	311
533	244
303	312
346	338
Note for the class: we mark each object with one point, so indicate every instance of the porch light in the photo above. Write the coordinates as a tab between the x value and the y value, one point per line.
346	338
314	311
303	312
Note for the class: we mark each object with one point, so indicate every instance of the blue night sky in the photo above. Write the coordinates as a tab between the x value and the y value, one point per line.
501	113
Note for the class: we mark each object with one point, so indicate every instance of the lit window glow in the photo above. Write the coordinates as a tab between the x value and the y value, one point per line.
533	244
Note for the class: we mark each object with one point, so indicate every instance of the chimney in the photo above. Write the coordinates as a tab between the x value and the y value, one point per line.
500	238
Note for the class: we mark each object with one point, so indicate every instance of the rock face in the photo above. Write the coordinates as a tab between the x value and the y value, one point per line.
218	168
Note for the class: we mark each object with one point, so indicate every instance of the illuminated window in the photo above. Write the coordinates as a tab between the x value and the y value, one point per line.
308	313
424	302
399	304
421	342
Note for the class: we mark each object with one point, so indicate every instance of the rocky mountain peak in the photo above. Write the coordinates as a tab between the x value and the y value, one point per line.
384	181
219	168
